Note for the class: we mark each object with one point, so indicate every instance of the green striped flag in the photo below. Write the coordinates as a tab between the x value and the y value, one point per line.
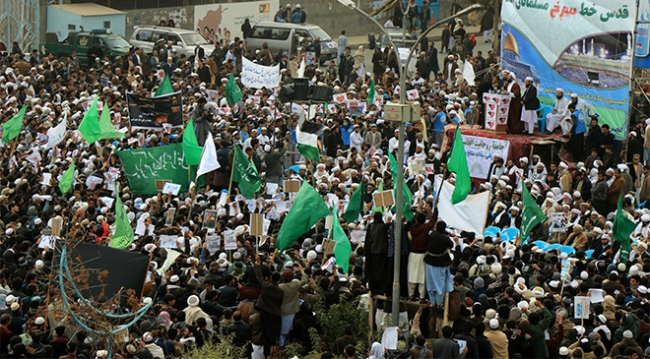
307	136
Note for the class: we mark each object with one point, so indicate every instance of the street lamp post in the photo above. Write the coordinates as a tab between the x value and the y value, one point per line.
400	151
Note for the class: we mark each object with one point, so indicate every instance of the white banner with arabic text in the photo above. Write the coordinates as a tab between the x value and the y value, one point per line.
258	76
480	152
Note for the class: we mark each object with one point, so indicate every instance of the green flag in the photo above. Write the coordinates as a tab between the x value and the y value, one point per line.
342	249
12	128
108	130
457	163
144	167
531	214
306	210
622	228
66	179
245	174
89	126
233	93
355	207
407	196
123	235
191	149
165	87
380	188
371	93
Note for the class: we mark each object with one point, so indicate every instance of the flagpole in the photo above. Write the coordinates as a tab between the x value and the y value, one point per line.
232	167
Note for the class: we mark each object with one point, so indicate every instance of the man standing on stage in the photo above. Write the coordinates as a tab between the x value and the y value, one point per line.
530	102
515	126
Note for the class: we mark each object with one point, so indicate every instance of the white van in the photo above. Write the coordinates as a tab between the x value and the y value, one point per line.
287	37
184	41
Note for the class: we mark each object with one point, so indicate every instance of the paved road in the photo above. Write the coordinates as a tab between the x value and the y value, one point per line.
480	46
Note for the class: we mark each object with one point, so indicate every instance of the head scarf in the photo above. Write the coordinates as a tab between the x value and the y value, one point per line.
376	351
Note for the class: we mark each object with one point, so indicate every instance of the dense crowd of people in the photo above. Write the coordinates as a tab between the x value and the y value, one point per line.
505	299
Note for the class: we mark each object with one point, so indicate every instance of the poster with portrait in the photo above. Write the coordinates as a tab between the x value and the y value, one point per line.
155	112
210	219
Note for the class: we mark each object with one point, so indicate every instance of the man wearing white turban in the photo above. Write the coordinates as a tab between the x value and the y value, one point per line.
530	104
554	118
515	126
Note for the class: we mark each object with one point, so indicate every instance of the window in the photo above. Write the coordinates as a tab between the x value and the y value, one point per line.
143	35
302	34
259	32
174	39
107	24
280	34
72	27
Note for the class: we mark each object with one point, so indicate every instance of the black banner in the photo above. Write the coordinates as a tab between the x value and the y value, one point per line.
122	269
155	112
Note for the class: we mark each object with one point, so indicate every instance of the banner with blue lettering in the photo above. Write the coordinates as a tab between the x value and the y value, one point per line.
258	76
584	47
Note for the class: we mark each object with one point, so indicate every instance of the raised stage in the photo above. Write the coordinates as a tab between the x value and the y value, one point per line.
550	147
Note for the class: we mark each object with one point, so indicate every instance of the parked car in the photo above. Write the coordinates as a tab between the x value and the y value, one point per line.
80	42
287	37
184	41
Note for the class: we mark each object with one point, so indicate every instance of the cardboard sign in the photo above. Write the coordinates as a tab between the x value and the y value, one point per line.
581	307
57	224
383	199
171	188
291	186
257	224
328	246
160	184
229	240
213	243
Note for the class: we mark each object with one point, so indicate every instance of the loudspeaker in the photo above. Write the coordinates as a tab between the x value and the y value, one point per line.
300	89
320	93
286	93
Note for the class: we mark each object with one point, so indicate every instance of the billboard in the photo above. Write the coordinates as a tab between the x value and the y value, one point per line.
225	19
583	47
642	39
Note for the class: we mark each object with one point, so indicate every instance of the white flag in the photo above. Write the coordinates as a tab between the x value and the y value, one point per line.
468	73
56	134
209	161
301	69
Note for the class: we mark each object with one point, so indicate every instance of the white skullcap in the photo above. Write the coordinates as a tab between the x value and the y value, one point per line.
193	301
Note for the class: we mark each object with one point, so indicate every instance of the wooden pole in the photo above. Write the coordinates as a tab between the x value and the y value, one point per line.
446	310
232	168
371	318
